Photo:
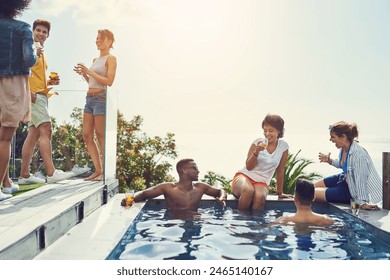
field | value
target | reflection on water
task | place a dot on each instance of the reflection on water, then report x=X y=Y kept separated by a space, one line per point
x=216 y=233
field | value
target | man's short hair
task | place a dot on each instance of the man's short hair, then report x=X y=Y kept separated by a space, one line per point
x=181 y=164
x=42 y=22
x=304 y=191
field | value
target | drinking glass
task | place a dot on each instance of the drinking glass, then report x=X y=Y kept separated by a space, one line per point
x=78 y=68
x=129 y=195
x=263 y=143
x=354 y=207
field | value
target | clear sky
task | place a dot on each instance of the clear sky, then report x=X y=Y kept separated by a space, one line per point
x=209 y=71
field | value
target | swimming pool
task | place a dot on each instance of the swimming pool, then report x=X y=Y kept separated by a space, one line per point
x=216 y=233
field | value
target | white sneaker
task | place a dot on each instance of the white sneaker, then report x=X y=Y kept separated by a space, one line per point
x=4 y=196
x=59 y=175
x=11 y=189
x=39 y=174
x=31 y=180
x=77 y=170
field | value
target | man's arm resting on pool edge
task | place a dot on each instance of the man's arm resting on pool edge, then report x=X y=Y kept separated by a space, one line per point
x=149 y=193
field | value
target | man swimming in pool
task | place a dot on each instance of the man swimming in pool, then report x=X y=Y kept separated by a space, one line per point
x=304 y=195
x=185 y=194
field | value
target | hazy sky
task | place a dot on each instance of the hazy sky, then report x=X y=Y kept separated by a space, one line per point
x=209 y=71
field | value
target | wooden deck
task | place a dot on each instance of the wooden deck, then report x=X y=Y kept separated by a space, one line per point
x=32 y=221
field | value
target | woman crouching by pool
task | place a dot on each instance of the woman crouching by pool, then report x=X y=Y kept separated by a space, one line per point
x=265 y=156
x=358 y=180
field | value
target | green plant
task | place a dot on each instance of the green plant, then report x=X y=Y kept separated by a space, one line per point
x=213 y=178
x=294 y=169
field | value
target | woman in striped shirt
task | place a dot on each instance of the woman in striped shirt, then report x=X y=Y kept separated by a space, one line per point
x=359 y=179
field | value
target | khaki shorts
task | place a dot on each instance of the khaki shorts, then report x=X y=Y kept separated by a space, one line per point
x=15 y=100
x=39 y=111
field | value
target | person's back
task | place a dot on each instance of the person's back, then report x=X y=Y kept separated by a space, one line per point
x=307 y=218
x=16 y=51
x=16 y=58
x=304 y=195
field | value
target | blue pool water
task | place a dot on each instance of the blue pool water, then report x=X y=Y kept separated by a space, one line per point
x=216 y=233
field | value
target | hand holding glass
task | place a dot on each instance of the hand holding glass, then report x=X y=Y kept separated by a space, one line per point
x=54 y=79
x=129 y=195
x=263 y=143
x=79 y=68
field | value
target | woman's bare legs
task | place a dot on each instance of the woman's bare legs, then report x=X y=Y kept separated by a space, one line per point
x=100 y=121
x=6 y=134
x=320 y=191
x=89 y=126
x=244 y=191
x=261 y=193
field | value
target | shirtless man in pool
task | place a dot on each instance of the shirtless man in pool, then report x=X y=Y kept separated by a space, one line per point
x=304 y=195
x=185 y=194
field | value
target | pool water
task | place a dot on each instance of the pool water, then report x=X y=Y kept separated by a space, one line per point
x=216 y=233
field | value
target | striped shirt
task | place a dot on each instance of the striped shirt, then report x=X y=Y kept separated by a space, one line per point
x=363 y=180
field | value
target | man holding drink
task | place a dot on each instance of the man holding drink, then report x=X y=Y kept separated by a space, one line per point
x=40 y=126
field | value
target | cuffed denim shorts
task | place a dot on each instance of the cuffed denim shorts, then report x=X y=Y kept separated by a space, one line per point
x=337 y=189
x=96 y=105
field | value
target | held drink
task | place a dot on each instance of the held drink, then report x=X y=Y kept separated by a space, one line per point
x=354 y=207
x=53 y=76
x=129 y=197
x=264 y=143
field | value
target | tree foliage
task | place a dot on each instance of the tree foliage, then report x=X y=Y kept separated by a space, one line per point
x=142 y=160
x=214 y=179
x=68 y=144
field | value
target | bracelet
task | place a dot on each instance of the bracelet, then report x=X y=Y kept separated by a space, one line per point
x=255 y=155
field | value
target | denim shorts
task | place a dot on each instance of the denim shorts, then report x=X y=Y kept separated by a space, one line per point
x=95 y=105
x=337 y=189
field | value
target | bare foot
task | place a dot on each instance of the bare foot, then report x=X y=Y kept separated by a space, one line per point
x=98 y=178
x=94 y=175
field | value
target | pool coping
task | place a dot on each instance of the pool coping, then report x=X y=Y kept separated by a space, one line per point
x=32 y=221
x=96 y=236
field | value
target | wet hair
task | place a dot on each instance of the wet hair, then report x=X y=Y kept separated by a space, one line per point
x=105 y=33
x=12 y=8
x=350 y=130
x=181 y=164
x=274 y=121
x=42 y=22
x=304 y=191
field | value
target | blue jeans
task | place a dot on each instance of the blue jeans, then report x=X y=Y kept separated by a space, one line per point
x=337 y=189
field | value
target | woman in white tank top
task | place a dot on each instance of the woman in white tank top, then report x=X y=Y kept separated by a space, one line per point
x=265 y=157
x=100 y=75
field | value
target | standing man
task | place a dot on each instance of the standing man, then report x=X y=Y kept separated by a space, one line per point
x=40 y=126
x=16 y=58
